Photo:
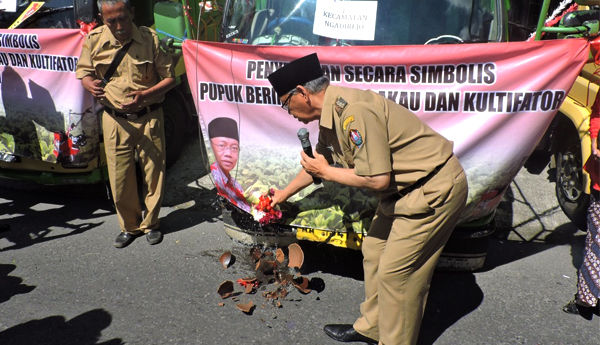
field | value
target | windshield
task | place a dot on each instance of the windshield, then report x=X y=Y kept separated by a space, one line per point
x=54 y=14
x=292 y=22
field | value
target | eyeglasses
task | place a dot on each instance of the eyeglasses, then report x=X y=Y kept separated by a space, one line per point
x=223 y=147
x=286 y=104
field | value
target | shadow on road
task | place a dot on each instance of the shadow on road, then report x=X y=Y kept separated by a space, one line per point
x=11 y=286
x=84 y=329
x=321 y=257
x=37 y=214
x=452 y=296
x=515 y=240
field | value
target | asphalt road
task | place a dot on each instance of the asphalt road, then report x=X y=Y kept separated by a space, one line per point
x=63 y=282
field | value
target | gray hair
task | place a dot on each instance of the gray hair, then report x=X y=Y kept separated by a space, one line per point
x=317 y=85
x=113 y=2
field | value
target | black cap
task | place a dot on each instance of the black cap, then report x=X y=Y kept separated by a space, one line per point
x=223 y=127
x=297 y=72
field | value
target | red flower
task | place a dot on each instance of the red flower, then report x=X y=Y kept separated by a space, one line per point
x=266 y=213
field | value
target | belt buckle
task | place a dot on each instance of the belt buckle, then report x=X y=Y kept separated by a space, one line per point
x=131 y=116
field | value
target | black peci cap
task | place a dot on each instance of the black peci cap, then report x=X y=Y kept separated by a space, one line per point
x=223 y=127
x=297 y=72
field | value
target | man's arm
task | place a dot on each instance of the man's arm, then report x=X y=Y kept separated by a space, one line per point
x=164 y=68
x=139 y=96
x=320 y=168
x=86 y=72
x=93 y=85
x=301 y=181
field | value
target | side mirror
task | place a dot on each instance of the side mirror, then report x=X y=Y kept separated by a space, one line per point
x=169 y=20
x=587 y=18
x=84 y=10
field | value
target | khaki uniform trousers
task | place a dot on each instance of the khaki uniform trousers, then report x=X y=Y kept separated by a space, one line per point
x=122 y=138
x=400 y=254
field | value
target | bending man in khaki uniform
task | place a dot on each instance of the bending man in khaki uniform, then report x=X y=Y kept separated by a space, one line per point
x=420 y=184
x=133 y=119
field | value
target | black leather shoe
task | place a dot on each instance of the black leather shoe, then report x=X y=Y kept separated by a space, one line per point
x=154 y=236
x=578 y=309
x=346 y=333
x=124 y=239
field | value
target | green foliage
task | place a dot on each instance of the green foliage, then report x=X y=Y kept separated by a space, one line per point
x=330 y=206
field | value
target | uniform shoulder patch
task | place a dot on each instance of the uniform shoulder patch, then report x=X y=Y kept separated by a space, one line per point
x=347 y=122
x=146 y=29
x=340 y=104
x=356 y=138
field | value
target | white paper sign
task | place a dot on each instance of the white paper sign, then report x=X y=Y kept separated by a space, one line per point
x=349 y=20
x=8 y=5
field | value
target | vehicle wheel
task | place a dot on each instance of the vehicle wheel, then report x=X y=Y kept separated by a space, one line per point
x=570 y=191
x=175 y=131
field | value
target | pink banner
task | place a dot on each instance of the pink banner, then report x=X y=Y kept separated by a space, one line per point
x=45 y=113
x=493 y=100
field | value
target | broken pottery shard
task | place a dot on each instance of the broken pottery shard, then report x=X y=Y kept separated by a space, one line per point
x=255 y=253
x=282 y=278
x=245 y=307
x=296 y=255
x=225 y=289
x=225 y=259
x=280 y=256
x=282 y=292
x=248 y=281
x=270 y=294
x=301 y=283
x=265 y=266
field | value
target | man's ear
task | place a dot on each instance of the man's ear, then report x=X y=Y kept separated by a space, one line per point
x=133 y=12
x=302 y=90
x=304 y=93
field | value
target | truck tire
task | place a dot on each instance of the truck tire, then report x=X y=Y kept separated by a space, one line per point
x=570 y=192
x=175 y=130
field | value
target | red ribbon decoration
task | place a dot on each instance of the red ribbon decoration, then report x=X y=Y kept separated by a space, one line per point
x=85 y=28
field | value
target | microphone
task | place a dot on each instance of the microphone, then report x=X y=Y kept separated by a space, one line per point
x=303 y=136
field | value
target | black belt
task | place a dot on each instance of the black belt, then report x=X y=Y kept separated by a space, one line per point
x=135 y=115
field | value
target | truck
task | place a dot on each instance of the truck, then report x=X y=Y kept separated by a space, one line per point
x=565 y=146
x=31 y=137
x=567 y=140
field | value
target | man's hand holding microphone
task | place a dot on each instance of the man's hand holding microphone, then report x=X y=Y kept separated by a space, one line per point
x=314 y=166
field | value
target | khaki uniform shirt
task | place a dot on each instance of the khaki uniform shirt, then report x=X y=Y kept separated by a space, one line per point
x=363 y=130
x=144 y=65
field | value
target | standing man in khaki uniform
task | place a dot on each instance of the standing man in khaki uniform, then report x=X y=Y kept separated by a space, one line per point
x=132 y=120
x=420 y=184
